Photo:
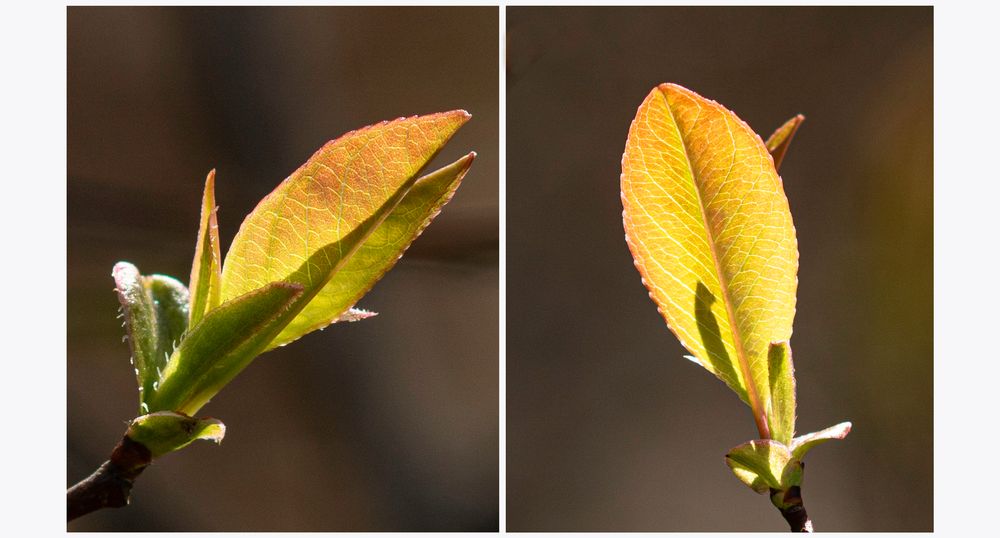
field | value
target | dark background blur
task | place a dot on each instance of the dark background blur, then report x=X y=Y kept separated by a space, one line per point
x=386 y=424
x=608 y=427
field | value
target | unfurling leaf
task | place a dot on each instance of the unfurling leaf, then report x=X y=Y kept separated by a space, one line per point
x=781 y=374
x=308 y=228
x=780 y=139
x=801 y=445
x=222 y=345
x=300 y=261
x=206 y=271
x=708 y=224
x=155 y=310
x=163 y=432
x=765 y=464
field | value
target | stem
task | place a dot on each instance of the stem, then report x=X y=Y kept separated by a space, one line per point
x=789 y=503
x=111 y=484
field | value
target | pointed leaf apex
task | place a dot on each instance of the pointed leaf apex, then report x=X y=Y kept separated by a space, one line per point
x=805 y=443
x=206 y=269
x=779 y=141
x=355 y=314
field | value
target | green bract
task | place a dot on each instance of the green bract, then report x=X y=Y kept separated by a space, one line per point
x=300 y=261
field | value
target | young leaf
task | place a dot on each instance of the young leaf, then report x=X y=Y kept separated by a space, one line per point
x=206 y=272
x=155 y=312
x=336 y=191
x=164 y=431
x=222 y=345
x=708 y=224
x=780 y=139
x=803 y=444
x=379 y=252
x=781 y=374
x=764 y=464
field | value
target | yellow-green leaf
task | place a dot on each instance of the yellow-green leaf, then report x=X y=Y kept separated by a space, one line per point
x=221 y=346
x=781 y=412
x=780 y=139
x=206 y=271
x=708 y=224
x=379 y=252
x=334 y=193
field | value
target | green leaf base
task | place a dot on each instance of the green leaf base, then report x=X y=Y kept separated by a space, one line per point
x=769 y=466
x=165 y=431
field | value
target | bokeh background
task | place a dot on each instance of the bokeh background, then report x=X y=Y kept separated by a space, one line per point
x=608 y=427
x=386 y=424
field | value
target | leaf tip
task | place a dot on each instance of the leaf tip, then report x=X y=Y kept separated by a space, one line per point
x=466 y=162
x=121 y=268
x=665 y=86
x=355 y=314
x=844 y=429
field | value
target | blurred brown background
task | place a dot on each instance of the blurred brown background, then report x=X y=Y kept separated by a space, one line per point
x=609 y=428
x=386 y=424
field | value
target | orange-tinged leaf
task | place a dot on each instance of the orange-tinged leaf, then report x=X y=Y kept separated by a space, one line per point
x=345 y=188
x=780 y=139
x=379 y=252
x=206 y=270
x=708 y=224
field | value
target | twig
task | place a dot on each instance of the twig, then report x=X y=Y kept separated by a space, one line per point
x=789 y=503
x=111 y=484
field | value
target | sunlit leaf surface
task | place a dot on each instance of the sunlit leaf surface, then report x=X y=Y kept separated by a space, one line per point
x=336 y=191
x=709 y=227
x=379 y=252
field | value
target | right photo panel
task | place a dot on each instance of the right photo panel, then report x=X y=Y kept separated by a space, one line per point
x=719 y=269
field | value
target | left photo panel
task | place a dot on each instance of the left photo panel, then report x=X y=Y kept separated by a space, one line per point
x=239 y=180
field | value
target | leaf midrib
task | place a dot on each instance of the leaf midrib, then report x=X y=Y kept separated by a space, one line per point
x=755 y=403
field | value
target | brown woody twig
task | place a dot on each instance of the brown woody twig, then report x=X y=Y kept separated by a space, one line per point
x=111 y=484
